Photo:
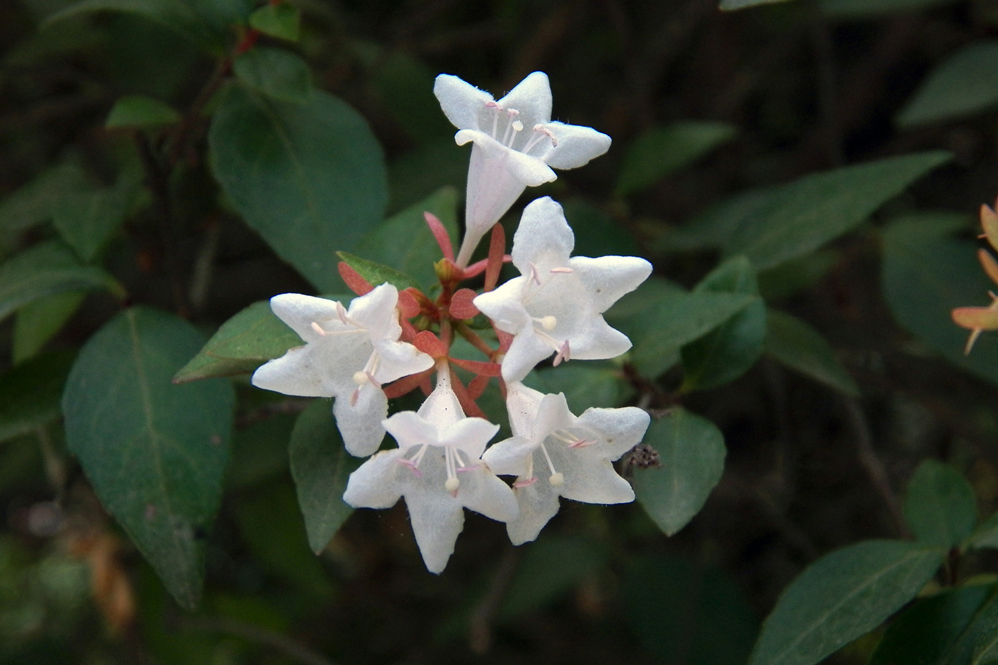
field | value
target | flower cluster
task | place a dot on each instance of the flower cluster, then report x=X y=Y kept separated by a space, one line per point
x=979 y=319
x=366 y=352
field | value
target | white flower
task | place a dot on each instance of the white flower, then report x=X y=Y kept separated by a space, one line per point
x=437 y=469
x=515 y=146
x=556 y=305
x=348 y=355
x=553 y=453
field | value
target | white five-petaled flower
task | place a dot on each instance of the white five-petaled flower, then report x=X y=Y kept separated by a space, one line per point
x=437 y=469
x=349 y=354
x=515 y=146
x=556 y=305
x=554 y=453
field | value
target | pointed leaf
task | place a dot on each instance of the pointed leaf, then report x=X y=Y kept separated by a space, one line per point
x=281 y=20
x=940 y=506
x=377 y=274
x=44 y=270
x=665 y=150
x=309 y=177
x=985 y=535
x=802 y=348
x=86 y=220
x=964 y=84
x=274 y=72
x=873 y=8
x=32 y=204
x=724 y=354
x=320 y=466
x=30 y=394
x=978 y=643
x=842 y=596
x=243 y=343
x=39 y=321
x=175 y=15
x=154 y=452
x=139 y=111
x=691 y=450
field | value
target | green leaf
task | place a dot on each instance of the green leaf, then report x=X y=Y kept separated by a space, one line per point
x=985 y=535
x=260 y=450
x=405 y=242
x=154 y=452
x=842 y=596
x=86 y=220
x=320 y=466
x=271 y=526
x=731 y=5
x=691 y=450
x=377 y=274
x=665 y=150
x=875 y=8
x=274 y=72
x=590 y=385
x=597 y=233
x=675 y=319
x=44 y=270
x=800 y=217
x=243 y=343
x=140 y=111
x=802 y=348
x=687 y=613
x=964 y=84
x=308 y=177
x=978 y=643
x=727 y=352
x=32 y=204
x=927 y=273
x=550 y=568
x=923 y=633
x=709 y=229
x=940 y=506
x=176 y=15
x=30 y=393
x=282 y=20
x=420 y=172
x=793 y=276
x=39 y=321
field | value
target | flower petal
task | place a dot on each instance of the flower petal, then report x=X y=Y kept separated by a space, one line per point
x=538 y=503
x=543 y=236
x=399 y=359
x=375 y=484
x=300 y=311
x=598 y=341
x=437 y=519
x=524 y=353
x=619 y=429
x=360 y=423
x=577 y=145
x=469 y=435
x=461 y=102
x=375 y=311
x=532 y=98
x=607 y=278
x=411 y=429
x=510 y=457
x=294 y=373
x=482 y=492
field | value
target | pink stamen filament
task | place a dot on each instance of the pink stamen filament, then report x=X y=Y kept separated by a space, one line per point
x=525 y=483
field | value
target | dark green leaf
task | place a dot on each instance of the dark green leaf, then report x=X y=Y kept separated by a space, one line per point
x=320 y=466
x=926 y=274
x=282 y=20
x=800 y=347
x=32 y=204
x=665 y=150
x=86 y=220
x=140 y=111
x=405 y=242
x=940 y=506
x=731 y=5
x=377 y=274
x=597 y=233
x=793 y=276
x=685 y=612
x=978 y=643
x=964 y=84
x=691 y=450
x=802 y=216
x=842 y=596
x=590 y=385
x=154 y=452
x=39 y=321
x=550 y=568
x=175 y=15
x=986 y=535
x=243 y=343
x=712 y=227
x=44 y=270
x=271 y=525
x=675 y=319
x=274 y=72
x=874 y=8
x=925 y=631
x=309 y=177
x=30 y=393
x=260 y=450
x=727 y=352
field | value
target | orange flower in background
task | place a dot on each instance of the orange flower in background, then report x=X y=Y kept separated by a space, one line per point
x=979 y=319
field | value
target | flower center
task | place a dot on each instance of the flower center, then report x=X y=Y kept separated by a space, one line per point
x=513 y=127
x=453 y=461
x=543 y=325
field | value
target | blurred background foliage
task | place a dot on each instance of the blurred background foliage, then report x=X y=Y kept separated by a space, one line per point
x=848 y=375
